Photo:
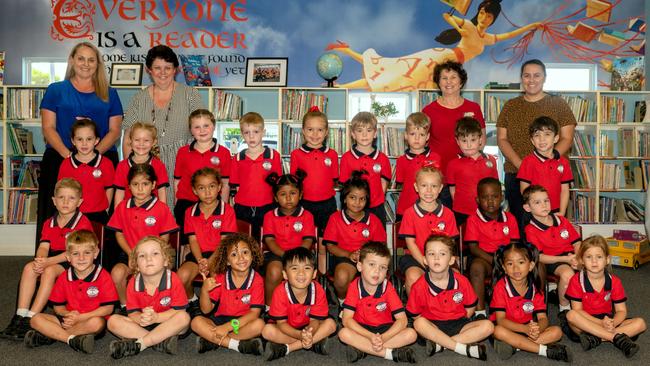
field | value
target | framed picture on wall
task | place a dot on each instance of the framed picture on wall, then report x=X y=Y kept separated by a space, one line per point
x=269 y=71
x=126 y=74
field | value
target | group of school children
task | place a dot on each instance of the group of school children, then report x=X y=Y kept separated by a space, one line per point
x=147 y=305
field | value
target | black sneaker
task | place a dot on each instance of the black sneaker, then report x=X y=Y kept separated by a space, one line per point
x=124 y=348
x=9 y=331
x=274 y=351
x=203 y=345
x=564 y=324
x=480 y=316
x=625 y=344
x=482 y=353
x=84 y=343
x=431 y=348
x=36 y=339
x=194 y=309
x=503 y=349
x=251 y=347
x=22 y=328
x=353 y=355
x=558 y=352
x=168 y=346
x=588 y=341
x=321 y=347
x=404 y=354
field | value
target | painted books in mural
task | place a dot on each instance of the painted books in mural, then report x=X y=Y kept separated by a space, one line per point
x=628 y=74
x=599 y=10
x=196 y=71
x=637 y=25
x=2 y=67
x=611 y=37
x=582 y=32
x=639 y=48
x=460 y=5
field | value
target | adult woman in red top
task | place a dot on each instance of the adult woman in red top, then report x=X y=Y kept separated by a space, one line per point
x=445 y=111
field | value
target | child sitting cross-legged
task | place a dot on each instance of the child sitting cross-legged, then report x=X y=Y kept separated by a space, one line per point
x=300 y=309
x=373 y=317
x=83 y=296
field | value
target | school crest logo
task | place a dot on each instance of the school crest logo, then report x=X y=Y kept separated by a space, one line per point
x=458 y=297
x=216 y=224
x=608 y=296
x=307 y=310
x=564 y=234
x=560 y=168
x=297 y=226
x=441 y=226
x=97 y=173
x=72 y=19
x=506 y=230
x=489 y=164
x=92 y=291
x=267 y=165
x=150 y=221
x=165 y=301
x=528 y=307
x=376 y=168
x=328 y=162
x=246 y=299
x=381 y=307
x=215 y=160
x=365 y=232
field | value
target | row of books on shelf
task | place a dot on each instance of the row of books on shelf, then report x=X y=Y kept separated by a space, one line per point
x=298 y=102
x=612 y=210
x=22 y=207
x=634 y=174
x=390 y=140
x=583 y=144
x=25 y=173
x=624 y=142
x=24 y=103
x=227 y=106
x=583 y=109
x=20 y=139
x=612 y=110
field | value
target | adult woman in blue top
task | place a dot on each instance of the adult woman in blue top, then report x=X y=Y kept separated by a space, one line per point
x=83 y=94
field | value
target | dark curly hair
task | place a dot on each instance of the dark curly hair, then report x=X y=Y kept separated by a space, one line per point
x=219 y=263
x=162 y=52
x=450 y=66
x=276 y=181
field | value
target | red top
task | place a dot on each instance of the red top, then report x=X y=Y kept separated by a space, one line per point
x=490 y=234
x=232 y=301
x=84 y=294
x=435 y=303
x=122 y=171
x=373 y=310
x=285 y=305
x=56 y=236
x=550 y=173
x=405 y=170
x=442 y=138
x=322 y=168
x=95 y=178
x=136 y=222
x=189 y=160
x=208 y=231
x=464 y=173
x=170 y=294
x=289 y=231
x=419 y=224
x=249 y=175
x=350 y=235
x=557 y=239
x=596 y=302
x=376 y=165
x=518 y=308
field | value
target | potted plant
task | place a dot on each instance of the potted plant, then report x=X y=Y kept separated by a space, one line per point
x=383 y=110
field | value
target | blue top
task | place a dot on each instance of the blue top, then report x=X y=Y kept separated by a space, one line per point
x=68 y=103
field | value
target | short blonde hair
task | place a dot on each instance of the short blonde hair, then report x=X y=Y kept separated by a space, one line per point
x=201 y=113
x=69 y=183
x=418 y=120
x=165 y=248
x=81 y=237
x=364 y=119
x=429 y=169
x=251 y=118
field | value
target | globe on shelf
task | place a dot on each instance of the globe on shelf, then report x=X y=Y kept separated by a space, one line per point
x=329 y=66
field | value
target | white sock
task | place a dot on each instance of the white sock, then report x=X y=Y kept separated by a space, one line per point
x=477 y=312
x=542 y=350
x=22 y=312
x=564 y=307
x=439 y=348
x=389 y=354
x=194 y=298
x=233 y=345
x=461 y=349
x=69 y=338
x=288 y=350
x=142 y=346
x=30 y=314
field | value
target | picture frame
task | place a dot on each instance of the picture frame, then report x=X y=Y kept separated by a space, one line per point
x=266 y=71
x=126 y=74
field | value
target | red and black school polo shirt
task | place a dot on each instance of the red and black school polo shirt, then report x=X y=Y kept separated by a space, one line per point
x=56 y=236
x=434 y=303
x=322 y=168
x=373 y=310
x=350 y=235
x=464 y=173
x=229 y=300
x=596 y=302
x=189 y=160
x=289 y=231
x=121 y=181
x=95 y=177
x=208 y=231
x=84 y=294
x=406 y=168
x=490 y=234
x=136 y=222
x=419 y=224
x=285 y=305
x=170 y=294
x=556 y=239
x=550 y=173
x=518 y=308
x=376 y=165
x=249 y=176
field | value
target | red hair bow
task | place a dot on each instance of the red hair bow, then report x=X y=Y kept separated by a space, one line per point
x=314 y=109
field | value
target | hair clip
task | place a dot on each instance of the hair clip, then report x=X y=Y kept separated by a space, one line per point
x=314 y=109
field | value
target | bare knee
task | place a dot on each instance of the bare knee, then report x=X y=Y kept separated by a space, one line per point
x=96 y=324
x=345 y=335
x=411 y=276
